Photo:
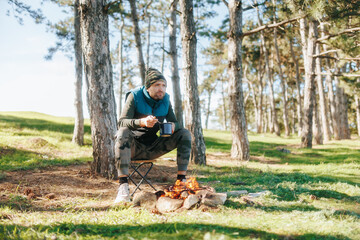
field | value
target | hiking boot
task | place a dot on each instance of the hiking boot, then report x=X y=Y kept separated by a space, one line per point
x=123 y=193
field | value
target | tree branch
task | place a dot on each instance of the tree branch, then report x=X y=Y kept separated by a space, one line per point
x=339 y=74
x=253 y=6
x=167 y=52
x=269 y=26
x=337 y=34
x=324 y=53
x=226 y=3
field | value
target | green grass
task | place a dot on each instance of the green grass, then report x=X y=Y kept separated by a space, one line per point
x=31 y=140
x=310 y=193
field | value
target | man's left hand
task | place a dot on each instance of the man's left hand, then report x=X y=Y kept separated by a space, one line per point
x=173 y=127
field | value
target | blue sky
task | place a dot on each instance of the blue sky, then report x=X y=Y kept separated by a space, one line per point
x=27 y=81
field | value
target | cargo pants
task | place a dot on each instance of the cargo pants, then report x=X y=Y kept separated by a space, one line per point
x=127 y=148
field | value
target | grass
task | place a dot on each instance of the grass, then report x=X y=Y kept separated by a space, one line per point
x=30 y=140
x=309 y=193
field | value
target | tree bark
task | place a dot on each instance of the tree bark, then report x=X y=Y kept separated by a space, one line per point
x=283 y=86
x=78 y=136
x=121 y=66
x=343 y=108
x=274 y=125
x=188 y=39
x=357 y=102
x=148 y=41
x=322 y=100
x=337 y=104
x=174 y=66
x=135 y=20
x=309 y=89
x=259 y=123
x=299 y=101
x=163 y=47
x=331 y=95
x=98 y=69
x=224 y=109
x=208 y=110
x=240 y=143
x=318 y=136
x=256 y=110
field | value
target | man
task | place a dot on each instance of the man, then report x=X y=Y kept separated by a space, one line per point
x=144 y=109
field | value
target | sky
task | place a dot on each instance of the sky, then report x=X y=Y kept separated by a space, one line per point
x=28 y=82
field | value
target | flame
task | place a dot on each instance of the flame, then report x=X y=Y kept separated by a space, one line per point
x=191 y=186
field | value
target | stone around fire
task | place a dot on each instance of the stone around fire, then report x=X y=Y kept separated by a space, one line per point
x=166 y=204
x=145 y=199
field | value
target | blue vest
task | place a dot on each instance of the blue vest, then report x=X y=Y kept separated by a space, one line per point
x=145 y=105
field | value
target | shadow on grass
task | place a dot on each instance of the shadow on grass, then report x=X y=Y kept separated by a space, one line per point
x=274 y=208
x=305 y=156
x=284 y=186
x=217 y=145
x=152 y=231
x=40 y=125
x=13 y=159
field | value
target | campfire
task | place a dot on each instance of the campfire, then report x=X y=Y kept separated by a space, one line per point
x=181 y=190
x=181 y=195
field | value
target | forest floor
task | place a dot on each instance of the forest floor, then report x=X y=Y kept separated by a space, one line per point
x=48 y=192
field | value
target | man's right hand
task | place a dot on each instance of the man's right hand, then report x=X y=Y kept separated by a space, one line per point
x=148 y=122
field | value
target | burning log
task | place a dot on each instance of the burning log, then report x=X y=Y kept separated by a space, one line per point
x=184 y=195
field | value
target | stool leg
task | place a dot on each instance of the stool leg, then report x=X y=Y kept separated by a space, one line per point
x=143 y=177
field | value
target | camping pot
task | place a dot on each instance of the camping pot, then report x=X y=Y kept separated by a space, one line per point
x=165 y=129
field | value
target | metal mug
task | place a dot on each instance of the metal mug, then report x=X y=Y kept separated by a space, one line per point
x=165 y=129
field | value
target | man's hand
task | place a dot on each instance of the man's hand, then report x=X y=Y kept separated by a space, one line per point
x=172 y=127
x=148 y=122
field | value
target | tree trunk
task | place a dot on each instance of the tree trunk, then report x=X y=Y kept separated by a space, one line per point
x=299 y=105
x=274 y=125
x=259 y=123
x=343 y=108
x=293 y=118
x=357 y=102
x=78 y=136
x=224 y=106
x=134 y=17
x=208 y=110
x=331 y=95
x=270 y=118
x=318 y=136
x=188 y=39
x=174 y=66
x=266 y=118
x=322 y=100
x=283 y=83
x=309 y=89
x=240 y=143
x=337 y=104
x=148 y=42
x=256 y=110
x=101 y=100
x=163 y=47
x=121 y=64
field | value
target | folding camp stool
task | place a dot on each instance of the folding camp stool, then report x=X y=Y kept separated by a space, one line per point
x=136 y=165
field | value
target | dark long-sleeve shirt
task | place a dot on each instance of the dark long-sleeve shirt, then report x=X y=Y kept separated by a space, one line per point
x=131 y=119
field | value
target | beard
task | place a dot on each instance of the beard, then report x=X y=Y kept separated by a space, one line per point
x=159 y=95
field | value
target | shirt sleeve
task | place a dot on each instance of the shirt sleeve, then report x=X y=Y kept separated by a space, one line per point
x=170 y=117
x=127 y=115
